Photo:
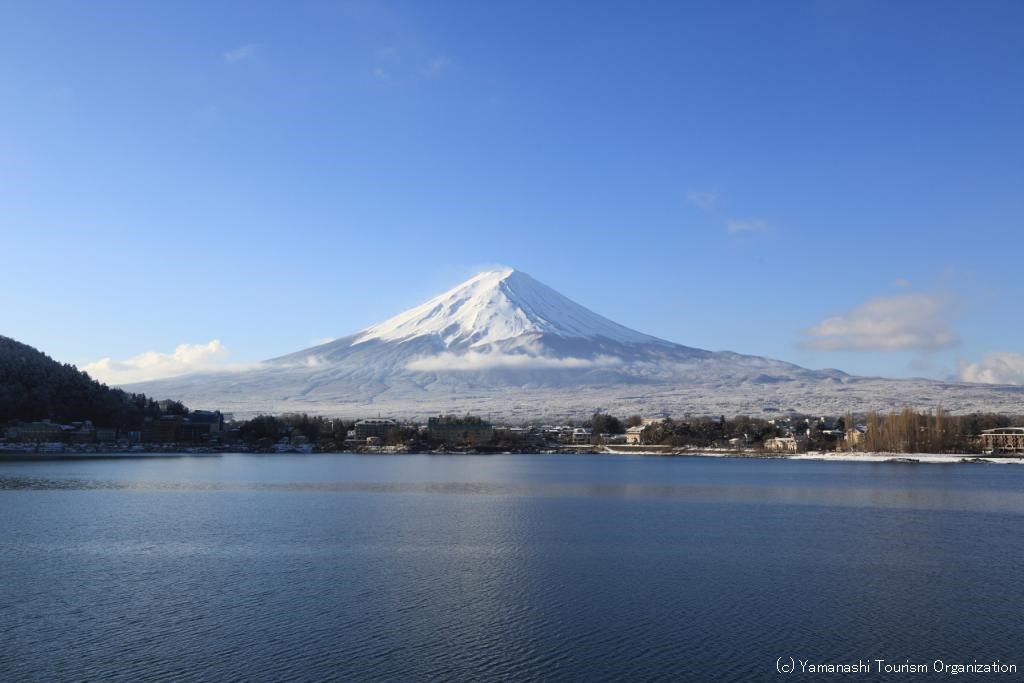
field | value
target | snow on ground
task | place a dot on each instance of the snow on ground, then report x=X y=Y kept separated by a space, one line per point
x=918 y=457
x=944 y=458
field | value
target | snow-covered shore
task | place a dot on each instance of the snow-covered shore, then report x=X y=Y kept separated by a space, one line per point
x=905 y=457
x=826 y=456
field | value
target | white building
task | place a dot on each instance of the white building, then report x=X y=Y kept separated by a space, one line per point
x=634 y=435
x=785 y=444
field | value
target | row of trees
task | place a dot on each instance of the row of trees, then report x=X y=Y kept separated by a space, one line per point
x=708 y=431
x=936 y=431
x=270 y=429
x=904 y=431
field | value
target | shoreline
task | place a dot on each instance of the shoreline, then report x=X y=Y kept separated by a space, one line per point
x=819 y=456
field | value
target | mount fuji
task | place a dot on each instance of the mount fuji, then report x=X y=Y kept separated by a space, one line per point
x=506 y=345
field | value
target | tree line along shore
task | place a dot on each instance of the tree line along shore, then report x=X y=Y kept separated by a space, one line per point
x=175 y=427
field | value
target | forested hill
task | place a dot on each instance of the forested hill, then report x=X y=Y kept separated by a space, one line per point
x=33 y=386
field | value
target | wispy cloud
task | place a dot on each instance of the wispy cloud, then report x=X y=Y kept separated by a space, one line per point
x=735 y=226
x=207 y=114
x=998 y=367
x=391 y=64
x=709 y=201
x=705 y=200
x=242 y=53
x=906 y=322
x=436 y=66
x=387 y=62
x=185 y=358
x=475 y=360
x=389 y=53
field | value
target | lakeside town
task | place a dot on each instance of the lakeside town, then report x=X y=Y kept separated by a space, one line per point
x=177 y=429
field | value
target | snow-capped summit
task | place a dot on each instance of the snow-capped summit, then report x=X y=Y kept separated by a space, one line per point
x=498 y=305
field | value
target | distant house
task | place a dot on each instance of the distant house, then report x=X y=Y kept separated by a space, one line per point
x=854 y=437
x=375 y=427
x=785 y=444
x=1003 y=440
x=634 y=435
x=580 y=436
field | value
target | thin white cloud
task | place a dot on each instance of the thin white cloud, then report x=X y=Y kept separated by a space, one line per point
x=475 y=360
x=998 y=367
x=906 y=322
x=389 y=54
x=735 y=226
x=392 y=64
x=185 y=358
x=705 y=200
x=387 y=61
x=241 y=53
x=437 y=66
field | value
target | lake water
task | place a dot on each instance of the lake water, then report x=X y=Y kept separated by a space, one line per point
x=345 y=567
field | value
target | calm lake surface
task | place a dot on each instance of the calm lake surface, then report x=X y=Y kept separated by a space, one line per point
x=345 y=567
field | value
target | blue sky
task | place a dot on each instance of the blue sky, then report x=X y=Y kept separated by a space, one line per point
x=837 y=184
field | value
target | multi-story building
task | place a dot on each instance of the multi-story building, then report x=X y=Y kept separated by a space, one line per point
x=39 y=432
x=213 y=418
x=164 y=429
x=460 y=431
x=374 y=427
x=1003 y=440
x=580 y=436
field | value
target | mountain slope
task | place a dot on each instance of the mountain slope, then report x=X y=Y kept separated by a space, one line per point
x=505 y=344
x=496 y=311
x=33 y=386
x=499 y=305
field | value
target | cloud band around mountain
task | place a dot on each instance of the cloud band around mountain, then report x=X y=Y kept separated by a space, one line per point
x=998 y=367
x=476 y=360
x=151 y=365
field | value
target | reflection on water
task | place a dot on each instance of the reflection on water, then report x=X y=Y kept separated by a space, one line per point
x=847 y=496
x=595 y=568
